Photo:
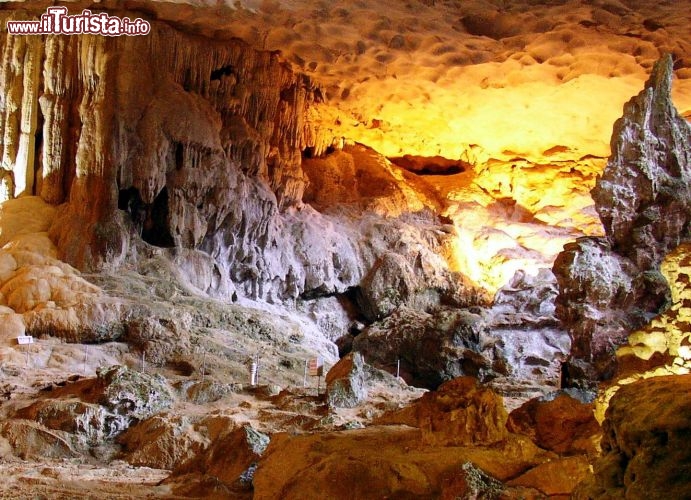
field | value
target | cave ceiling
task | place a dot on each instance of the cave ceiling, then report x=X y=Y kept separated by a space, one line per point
x=476 y=79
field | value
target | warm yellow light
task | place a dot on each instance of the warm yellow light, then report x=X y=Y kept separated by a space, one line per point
x=668 y=335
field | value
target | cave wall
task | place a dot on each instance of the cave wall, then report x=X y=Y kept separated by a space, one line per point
x=85 y=117
x=196 y=146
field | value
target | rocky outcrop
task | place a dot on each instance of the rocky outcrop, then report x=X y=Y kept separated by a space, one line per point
x=610 y=287
x=432 y=347
x=196 y=146
x=555 y=477
x=529 y=338
x=96 y=411
x=161 y=442
x=644 y=194
x=663 y=345
x=603 y=296
x=230 y=460
x=563 y=425
x=645 y=452
x=517 y=344
x=346 y=385
x=388 y=460
x=462 y=412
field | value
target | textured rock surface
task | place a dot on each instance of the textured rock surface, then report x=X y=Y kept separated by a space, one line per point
x=644 y=195
x=230 y=460
x=645 y=451
x=387 y=460
x=189 y=164
x=530 y=339
x=161 y=441
x=609 y=288
x=563 y=425
x=555 y=477
x=346 y=385
x=432 y=348
x=40 y=294
x=461 y=79
x=95 y=411
x=662 y=346
x=461 y=412
x=602 y=297
x=197 y=144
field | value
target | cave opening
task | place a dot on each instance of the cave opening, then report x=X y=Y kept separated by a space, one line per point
x=430 y=165
x=219 y=73
x=311 y=152
x=156 y=230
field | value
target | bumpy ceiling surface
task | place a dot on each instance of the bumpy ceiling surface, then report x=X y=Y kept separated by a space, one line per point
x=472 y=79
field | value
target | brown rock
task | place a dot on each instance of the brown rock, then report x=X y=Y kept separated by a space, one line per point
x=555 y=477
x=645 y=452
x=33 y=441
x=470 y=482
x=161 y=442
x=230 y=460
x=563 y=425
x=461 y=413
x=382 y=461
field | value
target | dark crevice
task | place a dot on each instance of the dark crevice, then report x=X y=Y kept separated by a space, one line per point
x=156 y=230
x=217 y=74
x=430 y=165
x=131 y=202
x=179 y=156
x=38 y=152
x=311 y=152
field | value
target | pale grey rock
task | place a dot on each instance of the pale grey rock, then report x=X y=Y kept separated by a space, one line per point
x=92 y=412
x=432 y=348
x=346 y=384
x=608 y=288
x=389 y=284
x=90 y=424
x=644 y=194
x=529 y=337
x=131 y=393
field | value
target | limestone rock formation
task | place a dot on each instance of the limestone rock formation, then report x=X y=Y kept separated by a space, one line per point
x=137 y=395
x=161 y=441
x=93 y=412
x=461 y=412
x=432 y=347
x=346 y=385
x=602 y=297
x=609 y=288
x=230 y=460
x=563 y=424
x=662 y=346
x=196 y=147
x=555 y=477
x=645 y=452
x=382 y=460
x=33 y=441
x=530 y=340
x=644 y=195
